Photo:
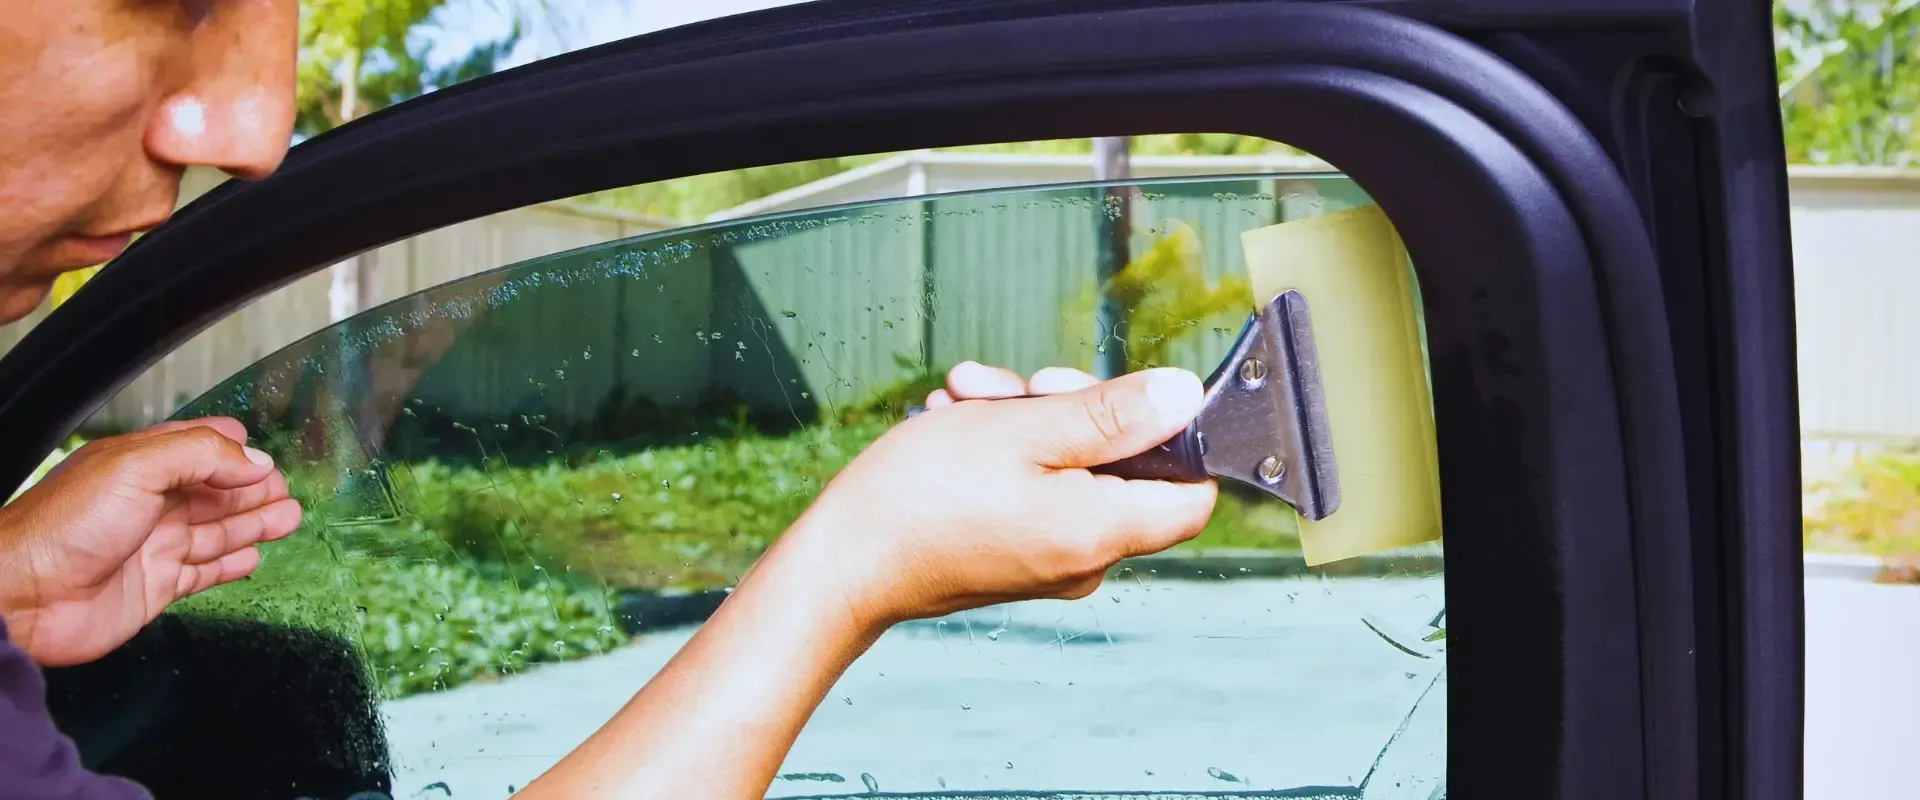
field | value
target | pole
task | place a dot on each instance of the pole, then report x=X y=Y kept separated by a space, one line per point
x=1112 y=228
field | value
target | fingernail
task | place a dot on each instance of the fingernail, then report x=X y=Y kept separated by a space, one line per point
x=258 y=456
x=1174 y=393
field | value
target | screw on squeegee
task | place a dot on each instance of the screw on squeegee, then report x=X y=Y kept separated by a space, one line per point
x=1271 y=469
x=1252 y=372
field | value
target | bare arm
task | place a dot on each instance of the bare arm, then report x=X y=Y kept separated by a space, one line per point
x=718 y=720
x=971 y=505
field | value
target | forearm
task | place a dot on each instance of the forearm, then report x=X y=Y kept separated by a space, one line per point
x=718 y=720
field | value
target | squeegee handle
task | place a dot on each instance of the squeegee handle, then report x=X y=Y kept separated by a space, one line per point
x=1177 y=460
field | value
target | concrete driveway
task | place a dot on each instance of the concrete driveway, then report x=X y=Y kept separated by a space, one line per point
x=1176 y=686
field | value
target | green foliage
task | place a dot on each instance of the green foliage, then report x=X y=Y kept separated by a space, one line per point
x=337 y=39
x=1850 y=72
x=1245 y=519
x=433 y=626
x=370 y=45
x=1874 y=508
x=890 y=404
x=691 y=517
x=1166 y=296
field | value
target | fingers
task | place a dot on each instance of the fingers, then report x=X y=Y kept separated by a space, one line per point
x=205 y=504
x=1059 y=380
x=1151 y=516
x=190 y=456
x=1112 y=420
x=197 y=578
x=970 y=380
x=211 y=541
x=225 y=426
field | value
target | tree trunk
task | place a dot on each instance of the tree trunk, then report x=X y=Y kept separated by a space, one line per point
x=1111 y=230
x=349 y=283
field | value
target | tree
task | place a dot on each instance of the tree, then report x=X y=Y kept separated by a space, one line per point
x=338 y=39
x=359 y=56
x=1850 y=80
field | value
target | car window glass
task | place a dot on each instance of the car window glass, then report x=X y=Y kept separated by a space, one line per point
x=526 y=489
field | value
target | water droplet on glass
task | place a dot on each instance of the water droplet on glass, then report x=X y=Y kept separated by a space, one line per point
x=849 y=700
x=966 y=706
x=715 y=336
x=888 y=324
x=1221 y=774
x=586 y=354
x=788 y=314
x=616 y=497
x=560 y=373
x=1009 y=765
x=873 y=786
x=658 y=340
x=806 y=395
x=636 y=351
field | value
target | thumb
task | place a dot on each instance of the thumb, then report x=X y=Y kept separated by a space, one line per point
x=1112 y=420
x=192 y=456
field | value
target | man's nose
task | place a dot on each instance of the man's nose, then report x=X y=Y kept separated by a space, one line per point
x=234 y=111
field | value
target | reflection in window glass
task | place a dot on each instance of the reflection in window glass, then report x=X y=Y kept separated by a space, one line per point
x=525 y=488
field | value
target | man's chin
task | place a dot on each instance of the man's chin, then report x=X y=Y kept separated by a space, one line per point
x=19 y=300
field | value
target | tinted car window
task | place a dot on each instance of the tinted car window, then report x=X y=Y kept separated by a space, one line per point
x=526 y=489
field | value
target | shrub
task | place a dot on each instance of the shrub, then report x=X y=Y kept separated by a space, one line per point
x=430 y=626
x=691 y=517
x=915 y=381
x=1874 y=508
x=1166 y=297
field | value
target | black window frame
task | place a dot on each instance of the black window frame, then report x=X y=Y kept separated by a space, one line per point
x=1606 y=279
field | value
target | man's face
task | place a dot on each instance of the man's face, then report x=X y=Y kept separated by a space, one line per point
x=104 y=103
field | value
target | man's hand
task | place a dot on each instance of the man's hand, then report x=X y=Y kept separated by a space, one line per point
x=127 y=525
x=975 y=503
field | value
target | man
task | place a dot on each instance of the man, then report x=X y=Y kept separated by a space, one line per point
x=103 y=104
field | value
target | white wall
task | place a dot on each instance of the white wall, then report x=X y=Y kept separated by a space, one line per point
x=1856 y=246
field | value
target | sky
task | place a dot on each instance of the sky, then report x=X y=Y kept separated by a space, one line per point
x=572 y=25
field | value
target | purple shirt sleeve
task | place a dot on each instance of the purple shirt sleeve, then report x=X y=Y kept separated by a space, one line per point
x=37 y=761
